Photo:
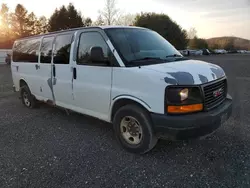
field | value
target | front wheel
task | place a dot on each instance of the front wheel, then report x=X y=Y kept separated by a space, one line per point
x=133 y=129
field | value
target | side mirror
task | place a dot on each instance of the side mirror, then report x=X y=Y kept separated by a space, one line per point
x=97 y=55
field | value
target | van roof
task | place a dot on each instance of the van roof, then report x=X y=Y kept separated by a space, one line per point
x=79 y=28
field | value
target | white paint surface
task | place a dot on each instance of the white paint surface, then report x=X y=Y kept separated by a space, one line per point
x=96 y=88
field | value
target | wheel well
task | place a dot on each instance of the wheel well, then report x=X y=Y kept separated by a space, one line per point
x=122 y=102
x=22 y=83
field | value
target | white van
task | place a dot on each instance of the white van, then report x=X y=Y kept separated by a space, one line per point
x=128 y=76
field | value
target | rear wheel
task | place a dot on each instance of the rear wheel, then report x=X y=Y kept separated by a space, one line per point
x=27 y=98
x=133 y=129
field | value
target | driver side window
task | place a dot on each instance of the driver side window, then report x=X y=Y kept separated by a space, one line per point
x=89 y=40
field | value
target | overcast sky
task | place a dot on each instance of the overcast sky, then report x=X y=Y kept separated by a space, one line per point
x=211 y=18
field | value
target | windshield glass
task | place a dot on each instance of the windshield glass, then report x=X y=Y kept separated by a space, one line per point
x=142 y=46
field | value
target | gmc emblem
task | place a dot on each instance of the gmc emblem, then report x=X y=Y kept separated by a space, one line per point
x=217 y=92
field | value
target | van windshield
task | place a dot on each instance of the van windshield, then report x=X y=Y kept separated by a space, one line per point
x=138 y=46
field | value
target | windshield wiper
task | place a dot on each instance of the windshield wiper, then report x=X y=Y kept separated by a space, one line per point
x=177 y=57
x=147 y=58
x=146 y=61
x=174 y=55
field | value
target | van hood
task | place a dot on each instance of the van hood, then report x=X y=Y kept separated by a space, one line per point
x=188 y=72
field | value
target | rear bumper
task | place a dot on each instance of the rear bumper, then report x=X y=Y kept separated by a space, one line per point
x=183 y=127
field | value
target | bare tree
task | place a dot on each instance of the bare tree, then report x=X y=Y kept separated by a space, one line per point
x=126 y=19
x=192 y=33
x=109 y=12
x=99 y=21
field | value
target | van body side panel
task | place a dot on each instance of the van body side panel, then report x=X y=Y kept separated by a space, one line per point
x=92 y=90
x=15 y=76
x=130 y=97
x=62 y=80
x=92 y=85
x=44 y=74
x=147 y=88
x=26 y=72
x=44 y=91
x=62 y=85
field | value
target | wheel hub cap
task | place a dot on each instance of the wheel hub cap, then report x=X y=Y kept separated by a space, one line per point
x=131 y=130
x=26 y=99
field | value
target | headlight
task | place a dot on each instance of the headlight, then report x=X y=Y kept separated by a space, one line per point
x=183 y=94
x=183 y=99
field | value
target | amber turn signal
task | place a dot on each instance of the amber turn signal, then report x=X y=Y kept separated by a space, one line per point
x=185 y=108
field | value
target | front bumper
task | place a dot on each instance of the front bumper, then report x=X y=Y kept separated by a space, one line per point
x=183 y=127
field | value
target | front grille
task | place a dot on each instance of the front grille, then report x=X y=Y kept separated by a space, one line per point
x=212 y=100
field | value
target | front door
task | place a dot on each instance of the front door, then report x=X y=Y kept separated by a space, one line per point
x=61 y=71
x=92 y=81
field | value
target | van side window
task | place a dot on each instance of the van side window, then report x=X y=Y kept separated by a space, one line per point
x=18 y=54
x=46 y=50
x=26 y=51
x=62 y=49
x=89 y=40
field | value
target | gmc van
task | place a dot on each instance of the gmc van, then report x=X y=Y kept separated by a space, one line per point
x=129 y=76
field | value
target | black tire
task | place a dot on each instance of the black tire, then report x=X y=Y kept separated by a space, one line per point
x=148 y=139
x=25 y=91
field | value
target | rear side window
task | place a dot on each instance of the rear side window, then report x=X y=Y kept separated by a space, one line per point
x=26 y=50
x=46 y=50
x=62 y=49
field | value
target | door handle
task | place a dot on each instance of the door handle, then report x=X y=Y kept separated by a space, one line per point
x=17 y=67
x=54 y=70
x=37 y=66
x=74 y=73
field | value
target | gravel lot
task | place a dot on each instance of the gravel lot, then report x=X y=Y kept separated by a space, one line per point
x=47 y=148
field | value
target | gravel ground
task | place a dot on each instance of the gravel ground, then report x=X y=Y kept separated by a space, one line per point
x=47 y=148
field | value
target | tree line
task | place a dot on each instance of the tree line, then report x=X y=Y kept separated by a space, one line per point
x=21 y=23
